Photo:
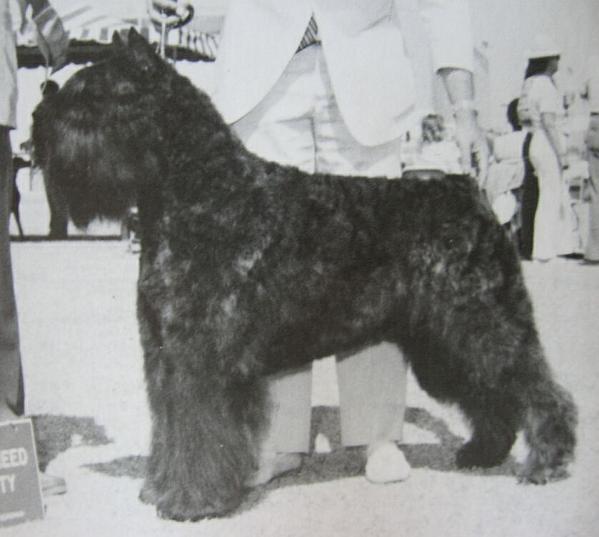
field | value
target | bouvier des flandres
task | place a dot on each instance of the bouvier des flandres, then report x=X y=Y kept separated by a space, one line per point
x=248 y=268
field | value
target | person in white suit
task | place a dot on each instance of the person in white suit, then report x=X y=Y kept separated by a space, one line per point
x=325 y=85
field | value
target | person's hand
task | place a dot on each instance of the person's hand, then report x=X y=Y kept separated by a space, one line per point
x=169 y=12
x=471 y=140
x=473 y=145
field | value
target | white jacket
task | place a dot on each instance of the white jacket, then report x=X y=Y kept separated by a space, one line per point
x=363 y=46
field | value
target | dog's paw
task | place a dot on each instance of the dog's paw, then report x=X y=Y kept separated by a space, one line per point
x=182 y=505
x=536 y=474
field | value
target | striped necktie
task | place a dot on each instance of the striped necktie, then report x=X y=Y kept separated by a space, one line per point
x=310 y=35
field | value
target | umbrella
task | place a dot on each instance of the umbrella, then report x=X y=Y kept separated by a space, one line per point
x=91 y=26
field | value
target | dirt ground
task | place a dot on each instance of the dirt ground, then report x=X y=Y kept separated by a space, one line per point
x=83 y=370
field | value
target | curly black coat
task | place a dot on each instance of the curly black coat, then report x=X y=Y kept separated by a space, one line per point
x=249 y=267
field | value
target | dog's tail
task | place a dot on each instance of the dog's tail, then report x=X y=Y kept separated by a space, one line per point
x=550 y=432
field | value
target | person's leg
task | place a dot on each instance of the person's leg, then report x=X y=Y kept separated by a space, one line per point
x=530 y=200
x=547 y=224
x=372 y=383
x=11 y=379
x=372 y=397
x=59 y=214
x=12 y=398
x=280 y=129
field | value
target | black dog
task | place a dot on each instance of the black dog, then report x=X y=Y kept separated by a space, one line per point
x=249 y=267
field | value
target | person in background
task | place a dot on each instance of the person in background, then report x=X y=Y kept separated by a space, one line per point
x=59 y=215
x=540 y=108
x=591 y=252
x=18 y=163
x=325 y=85
x=53 y=42
x=529 y=194
x=435 y=149
x=509 y=174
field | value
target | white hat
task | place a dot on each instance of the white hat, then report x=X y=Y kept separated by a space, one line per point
x=543 y=47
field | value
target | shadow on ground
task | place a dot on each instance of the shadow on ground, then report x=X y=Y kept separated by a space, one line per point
x=56 y=434
x=70 y=238
x=340 y=463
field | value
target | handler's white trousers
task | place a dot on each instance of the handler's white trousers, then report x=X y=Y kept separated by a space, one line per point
x=298 y=123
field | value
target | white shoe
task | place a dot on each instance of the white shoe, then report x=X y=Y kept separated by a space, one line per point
x=386 y=464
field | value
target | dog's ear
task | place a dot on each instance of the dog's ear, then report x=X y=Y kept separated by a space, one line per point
x=143 y=53
x=135 y=38
x=117 y=41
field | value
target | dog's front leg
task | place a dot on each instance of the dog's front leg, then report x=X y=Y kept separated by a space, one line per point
x=203 y=418
x=201 y=448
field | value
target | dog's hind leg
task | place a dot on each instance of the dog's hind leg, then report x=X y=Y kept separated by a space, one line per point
x=549 y=430
x=524 y=398
x=492 y=415
x=514 y=390
x=494 y=427
x=495 y=371
x=468 y=370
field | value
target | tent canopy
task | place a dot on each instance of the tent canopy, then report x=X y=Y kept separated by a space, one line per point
x=91 y=25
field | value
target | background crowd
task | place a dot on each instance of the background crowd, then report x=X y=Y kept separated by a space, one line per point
x=541 y=179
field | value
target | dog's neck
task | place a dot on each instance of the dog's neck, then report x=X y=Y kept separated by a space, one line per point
x=198 y=133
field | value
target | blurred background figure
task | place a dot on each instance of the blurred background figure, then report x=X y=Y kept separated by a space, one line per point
x=540 y=108
x=434 y=154
x=591 y=253
x=59 y=215
x=436 y=148
x=510 y=176
x=18 y=163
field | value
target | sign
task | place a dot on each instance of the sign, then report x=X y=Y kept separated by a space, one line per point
x=20 y=492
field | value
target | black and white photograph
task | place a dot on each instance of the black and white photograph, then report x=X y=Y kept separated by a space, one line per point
x=299 y=268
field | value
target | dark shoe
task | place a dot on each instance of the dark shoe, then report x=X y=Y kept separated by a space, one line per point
x=52 y=485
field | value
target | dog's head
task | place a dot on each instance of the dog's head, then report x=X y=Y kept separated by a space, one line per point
x=132 y=70
x=100 y=137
